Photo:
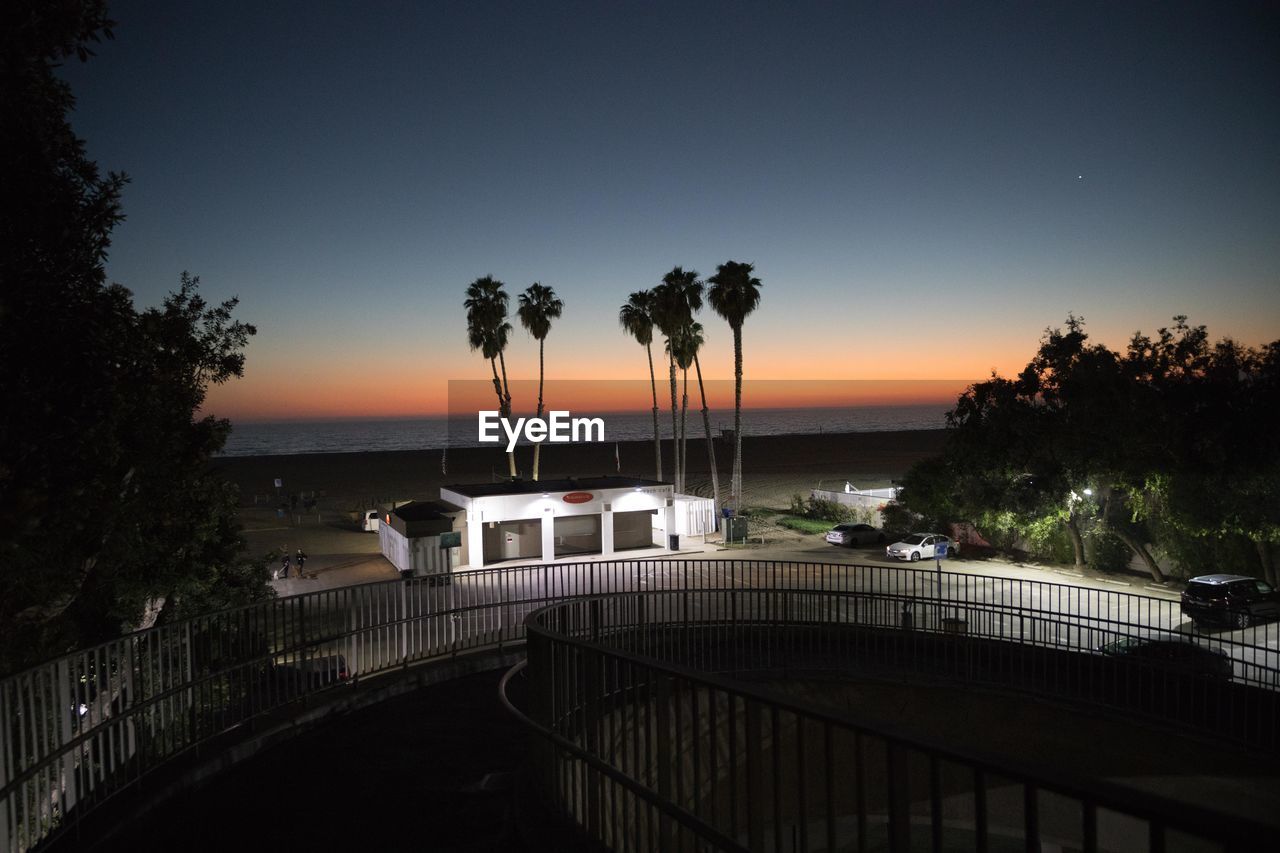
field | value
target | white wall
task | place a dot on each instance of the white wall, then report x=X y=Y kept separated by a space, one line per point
x=695 y=516
x=421 y=556
x=480 y=511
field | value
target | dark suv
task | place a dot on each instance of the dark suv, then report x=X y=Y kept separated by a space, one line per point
x=1233 y=600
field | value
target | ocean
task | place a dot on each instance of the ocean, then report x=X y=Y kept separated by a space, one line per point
x=281 y=438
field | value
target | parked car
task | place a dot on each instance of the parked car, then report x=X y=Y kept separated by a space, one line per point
x=917 y=545
x=370 y=522
x=853 y=535
x=1233 y=600
x=1171 y=653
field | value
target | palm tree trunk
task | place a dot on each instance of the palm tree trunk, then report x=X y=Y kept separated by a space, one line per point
x=506 y=411
x=506 y=388
x=657 y=441
x=537 y=447
x=711 y=445
x=737 y=416
x=675 y=428
x=497 y=383
x=684 y=428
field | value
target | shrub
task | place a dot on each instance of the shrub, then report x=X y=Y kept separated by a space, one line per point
x=1047 y=540
x=1105 y=552
x=1003 y=529
x=898 y=518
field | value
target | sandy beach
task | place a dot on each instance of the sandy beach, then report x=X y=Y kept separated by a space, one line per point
x=775 y=467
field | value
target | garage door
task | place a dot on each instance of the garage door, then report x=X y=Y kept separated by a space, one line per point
x=513 y=540
x=633 y=530
x=577 y=534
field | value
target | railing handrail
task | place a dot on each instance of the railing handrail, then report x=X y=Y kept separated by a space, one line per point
x=1147 y=805
x=526 y=567
x=132 y=682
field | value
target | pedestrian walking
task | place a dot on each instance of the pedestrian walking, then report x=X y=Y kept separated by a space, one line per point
x=285 y=563
x=301 y=559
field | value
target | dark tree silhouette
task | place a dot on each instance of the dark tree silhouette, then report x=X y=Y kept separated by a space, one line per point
x=636 y=317
x=538 y=307
x=734 y=294
x=107 y=503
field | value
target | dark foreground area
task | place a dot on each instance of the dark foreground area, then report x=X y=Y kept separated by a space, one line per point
x=438 y=769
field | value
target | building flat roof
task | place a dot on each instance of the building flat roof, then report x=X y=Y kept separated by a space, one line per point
x=425 y=510
x=533 y=487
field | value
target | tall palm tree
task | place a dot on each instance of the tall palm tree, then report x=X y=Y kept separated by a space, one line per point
x=538 y=307
x=488 y=331
x=679 y=346
x=734 y=294
x=678 y=297
x=685 y=347
x=695 y=341
x=636 y=317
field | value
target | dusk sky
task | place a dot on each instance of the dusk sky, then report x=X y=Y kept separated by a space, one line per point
x=923 y=188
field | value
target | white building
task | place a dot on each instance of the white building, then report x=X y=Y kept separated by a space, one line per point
x=548 y=519
x=420 y=537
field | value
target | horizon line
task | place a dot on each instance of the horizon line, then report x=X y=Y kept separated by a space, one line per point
x=447 y=416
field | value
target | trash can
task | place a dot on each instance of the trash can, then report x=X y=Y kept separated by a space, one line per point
x=673 y=541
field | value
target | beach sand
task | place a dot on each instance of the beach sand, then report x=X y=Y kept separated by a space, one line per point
x=774 y=467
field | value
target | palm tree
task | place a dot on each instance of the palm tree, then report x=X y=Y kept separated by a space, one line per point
x=636 y=317
x=538 y=307
x=679 y=347
x=678 y=297
x=734 y=294
x=487 y=331
x=695 y=340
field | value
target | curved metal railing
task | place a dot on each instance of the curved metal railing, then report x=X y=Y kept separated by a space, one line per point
x=646 y=745
x=78 y=729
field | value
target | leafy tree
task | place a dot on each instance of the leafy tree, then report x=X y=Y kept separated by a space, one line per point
x=734 y=295
x=1103 y=426
x=108 y=506
x=1173 y=441
x=538 y=307
x=636 y=317
x=1220 y=402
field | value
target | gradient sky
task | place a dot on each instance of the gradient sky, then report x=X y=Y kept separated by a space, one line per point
x=922 y=187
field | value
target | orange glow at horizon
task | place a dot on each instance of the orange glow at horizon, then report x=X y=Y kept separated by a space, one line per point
x=392 y=384
x=355 y=397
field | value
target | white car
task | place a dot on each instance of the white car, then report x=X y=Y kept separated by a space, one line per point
x=853 y=535
x=370 y=522
x=918 y=546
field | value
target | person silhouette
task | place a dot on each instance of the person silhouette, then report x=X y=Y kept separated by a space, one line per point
x=285 y=562
x=301 y=559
